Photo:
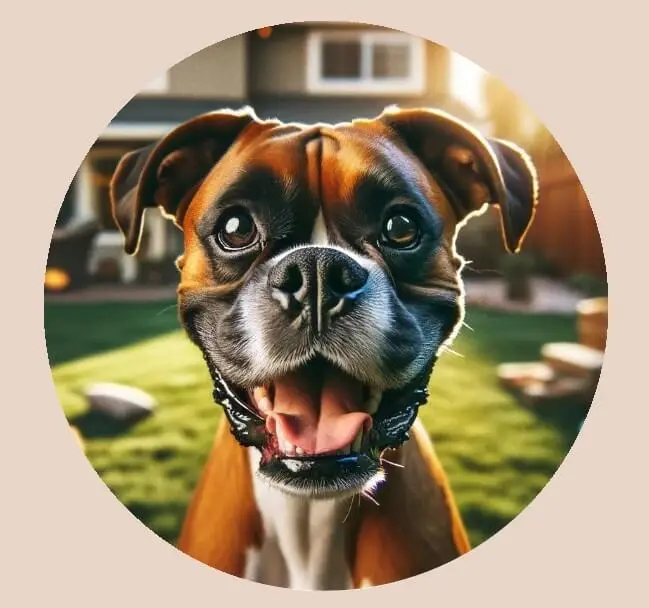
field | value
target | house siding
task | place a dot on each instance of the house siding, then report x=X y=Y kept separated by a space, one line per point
x=278 y=66
x=199 y=76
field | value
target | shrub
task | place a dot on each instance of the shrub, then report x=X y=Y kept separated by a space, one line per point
x=517 y=271
x=589 y=285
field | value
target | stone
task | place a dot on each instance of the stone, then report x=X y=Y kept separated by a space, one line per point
x=119 y=401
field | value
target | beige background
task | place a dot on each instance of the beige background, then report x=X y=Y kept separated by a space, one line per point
x=66 y=539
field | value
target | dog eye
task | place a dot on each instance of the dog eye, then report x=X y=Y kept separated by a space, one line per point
x=236 y=230
x=400 y=231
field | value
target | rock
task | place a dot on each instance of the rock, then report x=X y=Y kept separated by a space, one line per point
x=119 y=401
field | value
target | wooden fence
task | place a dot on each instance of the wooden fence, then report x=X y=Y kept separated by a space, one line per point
x=565 y=231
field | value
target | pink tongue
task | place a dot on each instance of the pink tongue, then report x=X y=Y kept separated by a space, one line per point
x=318 y=411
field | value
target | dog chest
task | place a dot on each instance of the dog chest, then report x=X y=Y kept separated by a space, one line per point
x=304 y=540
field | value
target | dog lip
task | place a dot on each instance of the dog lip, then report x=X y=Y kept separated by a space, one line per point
x=322 y=477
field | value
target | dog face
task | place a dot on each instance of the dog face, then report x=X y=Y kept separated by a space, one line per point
x=319 y=276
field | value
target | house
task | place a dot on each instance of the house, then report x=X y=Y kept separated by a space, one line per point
x=331 y=72
x=300 y=72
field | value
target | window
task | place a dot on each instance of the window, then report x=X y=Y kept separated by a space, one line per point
x=365 y=62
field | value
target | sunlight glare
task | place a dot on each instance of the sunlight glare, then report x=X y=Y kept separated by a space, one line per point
x=467 y=80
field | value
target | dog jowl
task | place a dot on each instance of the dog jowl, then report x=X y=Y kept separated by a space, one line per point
x=319 y=276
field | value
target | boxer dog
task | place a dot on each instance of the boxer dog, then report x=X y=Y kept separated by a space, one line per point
x=320 y=281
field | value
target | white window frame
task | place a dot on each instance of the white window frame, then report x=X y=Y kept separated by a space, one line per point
x=414 y=84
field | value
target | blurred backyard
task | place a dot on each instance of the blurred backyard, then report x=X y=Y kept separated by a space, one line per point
x=508 y=401
x=498 y=454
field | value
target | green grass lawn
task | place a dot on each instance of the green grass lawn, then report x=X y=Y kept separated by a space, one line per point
x=497 y=454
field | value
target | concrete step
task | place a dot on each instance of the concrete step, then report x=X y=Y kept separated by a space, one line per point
x=572 y=359
x=518 y=375
x=560 y=391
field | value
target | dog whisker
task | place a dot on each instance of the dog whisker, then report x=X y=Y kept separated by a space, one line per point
x=351 y=504
x=394 y=464
x=453 y=352
x=166 y=309
x=367 y=495
x=465 y=324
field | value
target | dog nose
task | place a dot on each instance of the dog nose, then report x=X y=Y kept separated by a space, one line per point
x=319 y=280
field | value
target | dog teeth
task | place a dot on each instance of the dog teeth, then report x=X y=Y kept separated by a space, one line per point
x=358 y=442
x=299 y=451
x=373 y=401
x=265 y=405
x=262 y=398
x=286 y=447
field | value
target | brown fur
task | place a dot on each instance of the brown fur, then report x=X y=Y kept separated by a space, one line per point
x=416 y=526
x=222 y=521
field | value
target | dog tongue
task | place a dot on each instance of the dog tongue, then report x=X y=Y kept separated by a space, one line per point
x=317 y=409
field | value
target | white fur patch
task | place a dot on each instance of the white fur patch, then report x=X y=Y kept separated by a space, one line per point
x=253 y=564
x=310 y=535
x=319 y=235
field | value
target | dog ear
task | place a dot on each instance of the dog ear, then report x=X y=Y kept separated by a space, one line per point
x=472 y=169
x=166 y=174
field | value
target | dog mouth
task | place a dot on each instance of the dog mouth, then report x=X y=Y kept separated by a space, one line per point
x=316 y=411
x=320 y=431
